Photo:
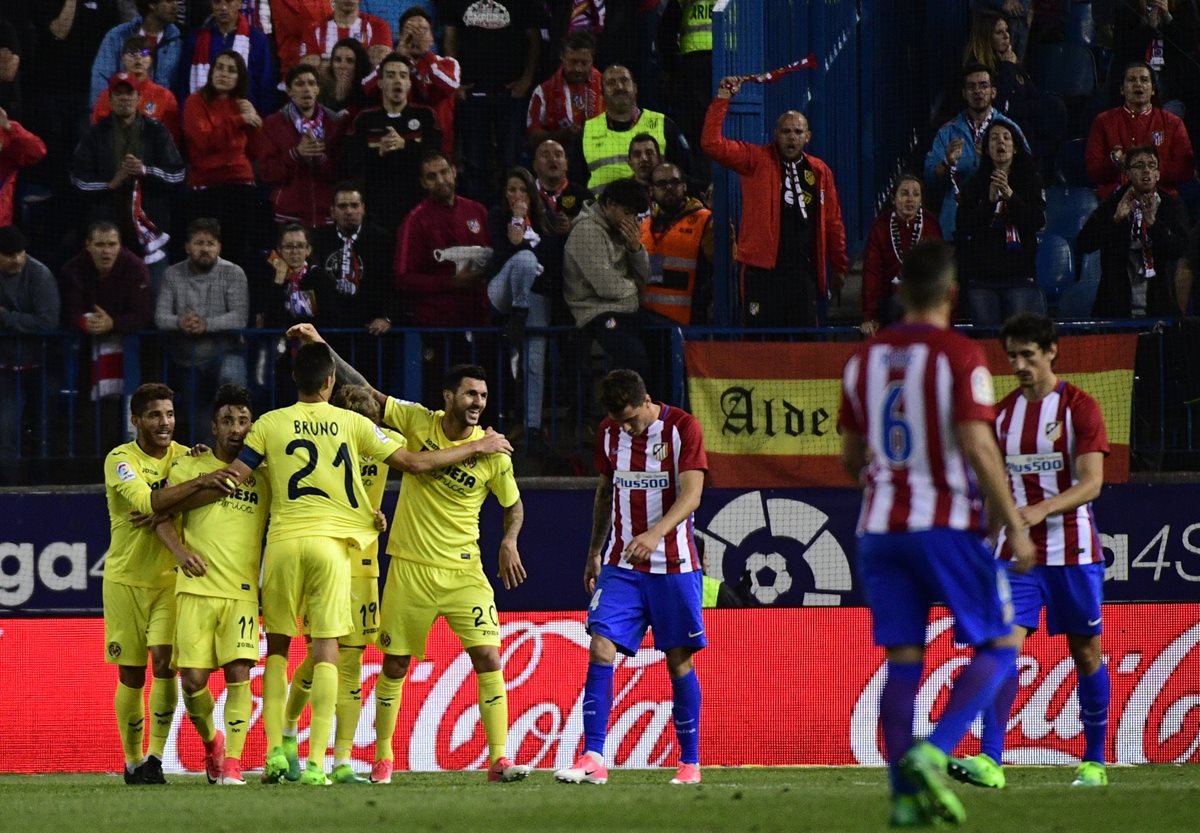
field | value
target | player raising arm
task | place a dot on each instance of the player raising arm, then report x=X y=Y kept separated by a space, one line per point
x=1053 y=439
x=916 y=422
x=436 y=568
x=651 y=461
x=219 y=550
x=321 y=519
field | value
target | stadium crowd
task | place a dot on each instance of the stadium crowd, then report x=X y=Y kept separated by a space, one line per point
x=205 y=166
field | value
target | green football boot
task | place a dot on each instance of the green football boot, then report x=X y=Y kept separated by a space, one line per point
x=980 y=770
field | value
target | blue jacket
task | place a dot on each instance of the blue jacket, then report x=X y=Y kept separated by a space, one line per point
x=261 y=89
x=957 y=128
x=108 y=57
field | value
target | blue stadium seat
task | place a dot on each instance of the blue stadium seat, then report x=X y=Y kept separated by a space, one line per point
x=1077 y=301
x=1089 y=268
x=1071 y=165
x=1067 y=209
x=1055 y=269
x=1068 y=69
x=1081 y=24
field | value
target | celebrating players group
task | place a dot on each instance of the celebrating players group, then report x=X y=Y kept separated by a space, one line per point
x=182 y=575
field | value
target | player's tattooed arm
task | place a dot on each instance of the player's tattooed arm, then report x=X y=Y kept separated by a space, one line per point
x=346 y=374
x=601 y=527
x=512 y=571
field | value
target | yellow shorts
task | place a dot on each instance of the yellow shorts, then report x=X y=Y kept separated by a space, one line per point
x=416 y=595
x=310 y=576
x=211 y=632
x=364 y=612
x=136 y=618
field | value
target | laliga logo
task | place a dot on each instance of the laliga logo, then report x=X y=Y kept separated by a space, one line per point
x=776 y=536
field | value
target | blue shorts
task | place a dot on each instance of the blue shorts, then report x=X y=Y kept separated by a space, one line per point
x=1071 y=595
x=626 y=602
x=904 y=574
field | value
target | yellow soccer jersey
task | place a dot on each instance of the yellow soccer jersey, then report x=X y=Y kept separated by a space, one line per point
x=437 y=516
x=374 y=477
x=314 y=451
x=135 y=556
x=227 y=534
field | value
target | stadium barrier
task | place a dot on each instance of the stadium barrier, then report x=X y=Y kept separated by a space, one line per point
x=804 y=709
x=51 y=378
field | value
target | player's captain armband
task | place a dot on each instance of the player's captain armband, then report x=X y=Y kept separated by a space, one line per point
x=1034 y=463
x=982 y=390
x=125 y=472
x=642 y=480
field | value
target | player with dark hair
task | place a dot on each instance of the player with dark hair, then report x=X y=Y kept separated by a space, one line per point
x=916 y=422
x=321 y=519
x=1053 y=439
x=218 y=547
x=139 y=577
x=436 y=568
x=642 y=567
x=364 y=611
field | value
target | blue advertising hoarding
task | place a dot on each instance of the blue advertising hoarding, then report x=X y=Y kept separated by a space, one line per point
x=797 y=546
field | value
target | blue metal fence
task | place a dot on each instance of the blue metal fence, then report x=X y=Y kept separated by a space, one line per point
x=56 y=431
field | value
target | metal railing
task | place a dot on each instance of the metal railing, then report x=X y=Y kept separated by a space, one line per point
x=56 y=431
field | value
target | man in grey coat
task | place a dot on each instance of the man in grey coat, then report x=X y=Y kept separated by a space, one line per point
x=604 y=269
x=29 y=304
x=204 y=300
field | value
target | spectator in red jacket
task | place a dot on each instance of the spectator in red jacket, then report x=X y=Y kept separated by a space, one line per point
x=297 y=152
x=896 y=230
x=154 y=100
x=573 y=94
x=107 y=296
x=220 y=128
x=791 y=219
x=435 y=78
x=18 y=149
x=291 y=21
x=1136 y=123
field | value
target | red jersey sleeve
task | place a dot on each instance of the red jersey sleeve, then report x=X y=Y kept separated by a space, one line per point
x=603 y=466
x=380 y=34
x=1088 y=422
x=692 y=456
x=972 y=389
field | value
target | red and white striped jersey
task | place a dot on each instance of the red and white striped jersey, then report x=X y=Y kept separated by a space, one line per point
x=904 y=392
x=645 y=476
x=368 y=30
x=1041 y=442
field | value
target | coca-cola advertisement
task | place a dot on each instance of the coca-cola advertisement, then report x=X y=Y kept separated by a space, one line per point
x=791 y=686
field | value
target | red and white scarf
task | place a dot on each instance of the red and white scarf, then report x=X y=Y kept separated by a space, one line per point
x=1139 y=231
x=298 y=302
x=108 y=366
x=153 y=241
x=314 y=126
x=897 y=245
x=202 y=52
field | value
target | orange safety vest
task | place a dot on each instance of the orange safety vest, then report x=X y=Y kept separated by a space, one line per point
x=674 y=258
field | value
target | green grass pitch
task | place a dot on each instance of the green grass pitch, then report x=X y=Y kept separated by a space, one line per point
x=1158 y=799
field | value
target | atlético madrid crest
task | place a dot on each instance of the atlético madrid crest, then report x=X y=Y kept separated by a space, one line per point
x=659 y=450
x=1053 y=431
x=473 y=226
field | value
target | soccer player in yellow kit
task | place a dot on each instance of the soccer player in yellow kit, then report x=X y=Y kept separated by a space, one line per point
x=139 y=576
x=364 y=611
x=321 y=519
x=219 y=551
x=436 y=568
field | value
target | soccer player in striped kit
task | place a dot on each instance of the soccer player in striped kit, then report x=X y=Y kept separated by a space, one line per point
x=917 y=431
x=642 y=567
x=1053 y=439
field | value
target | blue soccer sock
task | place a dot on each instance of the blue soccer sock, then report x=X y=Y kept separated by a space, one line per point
x=995 y=716
x=1093 y=712
x=597 y=706
x=896 y=706
x=975 y=687
x=686 y=712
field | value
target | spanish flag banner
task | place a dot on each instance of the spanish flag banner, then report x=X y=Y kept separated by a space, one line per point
x=769 y=409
